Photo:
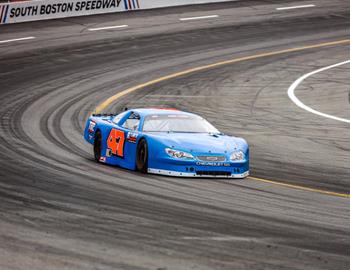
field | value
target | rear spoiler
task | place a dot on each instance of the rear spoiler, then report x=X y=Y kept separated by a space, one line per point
x=103 y=114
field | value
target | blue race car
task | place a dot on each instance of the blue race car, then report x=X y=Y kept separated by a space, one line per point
x=167 y=142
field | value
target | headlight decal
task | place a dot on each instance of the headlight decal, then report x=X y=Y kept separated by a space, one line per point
x=179 y=154
x=237 y=156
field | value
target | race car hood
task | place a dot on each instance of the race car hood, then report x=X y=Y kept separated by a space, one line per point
x=201 y=142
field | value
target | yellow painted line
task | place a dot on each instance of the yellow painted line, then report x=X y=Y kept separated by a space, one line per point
x=300 y=187
x=125 y=92
x=112 y=99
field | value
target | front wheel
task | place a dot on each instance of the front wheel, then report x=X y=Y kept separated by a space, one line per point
x=142 y=156
x=97 y=146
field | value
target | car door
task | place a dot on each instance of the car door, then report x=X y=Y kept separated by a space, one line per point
x=122 y=139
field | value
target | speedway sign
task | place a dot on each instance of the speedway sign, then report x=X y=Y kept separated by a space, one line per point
x=42 y=10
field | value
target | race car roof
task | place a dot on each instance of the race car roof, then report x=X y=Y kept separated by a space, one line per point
x=160 y=111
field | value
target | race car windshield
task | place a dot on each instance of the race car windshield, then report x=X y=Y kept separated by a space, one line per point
x=178 y=123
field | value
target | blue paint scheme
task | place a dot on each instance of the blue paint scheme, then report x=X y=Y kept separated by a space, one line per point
x=197 y=144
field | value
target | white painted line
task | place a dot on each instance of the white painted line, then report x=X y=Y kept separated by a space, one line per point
x=108 y=27
x=292 y=96
x=16 y=39
x=296 y=7
x=222 y=238
x=199 y=18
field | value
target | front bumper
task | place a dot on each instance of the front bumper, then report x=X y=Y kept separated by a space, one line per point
x=202 y=174
x=165 y=165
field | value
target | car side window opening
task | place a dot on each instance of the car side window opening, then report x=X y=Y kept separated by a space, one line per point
x=119 y=117
x=132 y=122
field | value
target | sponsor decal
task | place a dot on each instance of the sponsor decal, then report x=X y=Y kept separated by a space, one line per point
x=92 y=126
x=3 y=13
x=212 y=158
x=131 y=4
x=103 y=159
x=132 y=137
x=108 y=152
x=36 y=10
x=217 y=164
x=63 y=7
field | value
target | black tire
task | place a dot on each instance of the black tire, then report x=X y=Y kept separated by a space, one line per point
x=97 y=146
x=142 y=156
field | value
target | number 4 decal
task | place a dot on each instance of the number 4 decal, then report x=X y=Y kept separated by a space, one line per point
x=115 y=142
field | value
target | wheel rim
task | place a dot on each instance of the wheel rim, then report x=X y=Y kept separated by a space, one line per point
x=97 y=148
x=142 y=157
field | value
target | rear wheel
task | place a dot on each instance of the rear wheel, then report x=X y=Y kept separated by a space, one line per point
x=97 y=146
x=142 y=156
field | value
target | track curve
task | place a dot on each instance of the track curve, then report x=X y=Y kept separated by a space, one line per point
x=58 y=207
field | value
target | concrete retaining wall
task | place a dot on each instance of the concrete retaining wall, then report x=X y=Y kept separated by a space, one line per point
x=43 y=10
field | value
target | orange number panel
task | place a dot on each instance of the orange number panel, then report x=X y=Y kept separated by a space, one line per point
x=115 y=142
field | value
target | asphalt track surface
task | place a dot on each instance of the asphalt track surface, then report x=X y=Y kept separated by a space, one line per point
x=61 y=210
